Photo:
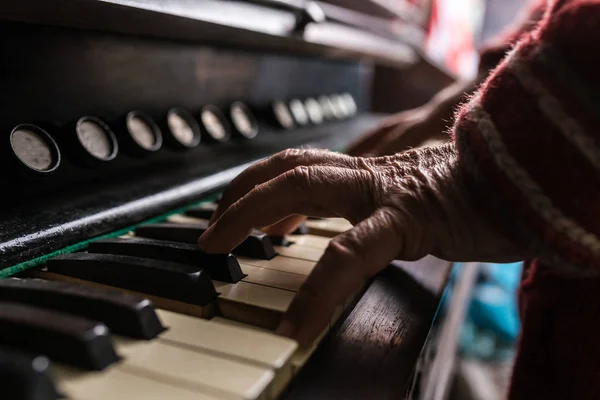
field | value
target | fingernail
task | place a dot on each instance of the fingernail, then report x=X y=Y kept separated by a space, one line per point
x=286 y=328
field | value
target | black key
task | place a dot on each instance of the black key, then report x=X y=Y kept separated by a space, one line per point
x=62 y=337
x=171 y=280
x=257 y=245
x=220 y=267
x=301 y=230
x=280 y=241
x=123 y=313
x=25 y=377
x=203 y=211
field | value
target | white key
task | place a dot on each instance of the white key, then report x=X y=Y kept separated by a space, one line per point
x=280 y=263
x=230 y=322
x=301 y=252
x=328 y=227
x=184 y=219
x=260 y=348
x=273 y=278
x=253 y=304
x=116 y=383
x=202 y=372
x=237 y=343
x=315 y=241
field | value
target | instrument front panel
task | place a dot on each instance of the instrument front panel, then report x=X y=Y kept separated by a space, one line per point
x=84 y=87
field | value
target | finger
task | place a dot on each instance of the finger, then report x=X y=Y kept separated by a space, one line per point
x=366 y=143
x=350 y=260
x=317 y=191
x=272 y=167
x=287 y=226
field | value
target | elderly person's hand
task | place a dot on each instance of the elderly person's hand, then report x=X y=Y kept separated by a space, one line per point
x=403 y=131
x=402 y=207
x=413 y=128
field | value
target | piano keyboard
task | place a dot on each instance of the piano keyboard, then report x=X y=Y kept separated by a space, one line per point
x=209 y=337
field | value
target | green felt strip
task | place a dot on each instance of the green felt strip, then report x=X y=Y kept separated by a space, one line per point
x=84 y=244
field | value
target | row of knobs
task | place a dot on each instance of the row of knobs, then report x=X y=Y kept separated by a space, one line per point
x=91 y=141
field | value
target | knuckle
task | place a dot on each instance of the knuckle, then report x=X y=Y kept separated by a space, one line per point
x=300 y=177
x=288 y=155
x=345 y=249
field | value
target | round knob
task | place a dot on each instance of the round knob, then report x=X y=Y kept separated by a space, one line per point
x=34 y=152
x=142 y=135
x=299 y=112
x=183 y=132
x=282 y=115
x=243 y=120
x=314 y=111
x=214 y=125
x=92 y=142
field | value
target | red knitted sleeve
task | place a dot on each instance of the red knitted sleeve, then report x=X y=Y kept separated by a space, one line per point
x=493 y=52
x=529 y=139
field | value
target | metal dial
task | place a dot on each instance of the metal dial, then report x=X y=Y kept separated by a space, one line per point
x=282 y=115
x=314 y=111
x=144 y=131
x=214 y=123
x=350 y=104
x=96 y=139
x=243 y=120
x=340 y=111
x=326 y=107
x=183 y=128
x=299 y=112
x=34 y=148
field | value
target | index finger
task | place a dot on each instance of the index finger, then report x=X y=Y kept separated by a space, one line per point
x=316 y=191
x=265 y=170
x=349 y=261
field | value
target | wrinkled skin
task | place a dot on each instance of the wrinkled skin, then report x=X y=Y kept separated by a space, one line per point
x=404 y=206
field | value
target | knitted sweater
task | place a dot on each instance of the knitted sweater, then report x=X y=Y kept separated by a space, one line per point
x=529 y=150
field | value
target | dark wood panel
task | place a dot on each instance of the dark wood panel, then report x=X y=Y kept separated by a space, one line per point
x=394 y=89
x=230 y=23
x=372 y=354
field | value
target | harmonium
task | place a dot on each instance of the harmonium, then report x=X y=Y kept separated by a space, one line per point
x=121 y=121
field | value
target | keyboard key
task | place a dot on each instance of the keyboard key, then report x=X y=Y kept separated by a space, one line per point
x=122 y=313
x=301 y=230
x=301 y=252
x=203 y=211
x=318 y=242
x=279 y=263
x=328 y=227
x=200 y=371
x=257 y=245
x=25 y=377
x=120 y=383
x=222 y=267
x=253 y=304
x=250 y=346
x=62 y=337
x=174 y=281
x=280 y=241
x=273 y=278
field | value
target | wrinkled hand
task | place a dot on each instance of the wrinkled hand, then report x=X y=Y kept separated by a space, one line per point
x=397 y=133
x=402 y=207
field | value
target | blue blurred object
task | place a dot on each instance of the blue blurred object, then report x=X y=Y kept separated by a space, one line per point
x=492 y=323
